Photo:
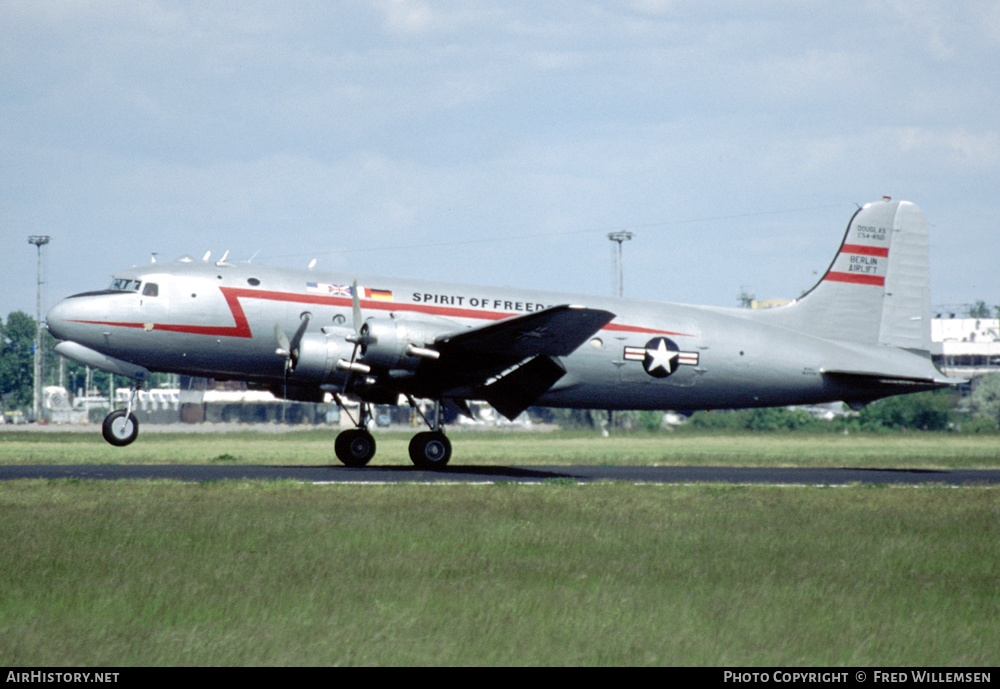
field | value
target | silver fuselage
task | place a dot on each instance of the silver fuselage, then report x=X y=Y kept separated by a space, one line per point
x=220 y=320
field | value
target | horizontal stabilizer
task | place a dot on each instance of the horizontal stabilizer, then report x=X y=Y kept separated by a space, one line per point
x=884 y=379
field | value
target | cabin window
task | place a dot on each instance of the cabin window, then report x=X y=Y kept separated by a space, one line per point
x=151 y=290
x=253 y=282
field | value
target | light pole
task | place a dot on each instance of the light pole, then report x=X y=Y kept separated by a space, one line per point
x=620 y=237
x=39 y=241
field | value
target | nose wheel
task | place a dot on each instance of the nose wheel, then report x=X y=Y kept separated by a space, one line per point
x=120 y=427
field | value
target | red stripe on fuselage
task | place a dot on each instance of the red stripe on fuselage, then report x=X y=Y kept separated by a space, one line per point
x=242 y=326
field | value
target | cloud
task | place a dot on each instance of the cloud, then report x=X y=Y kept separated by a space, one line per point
x=407 y=16
x=308 y=125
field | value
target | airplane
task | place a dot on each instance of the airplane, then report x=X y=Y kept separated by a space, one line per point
x=860 y=334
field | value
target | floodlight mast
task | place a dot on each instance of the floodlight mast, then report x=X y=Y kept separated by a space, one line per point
x=620 y=237
x=39 y=241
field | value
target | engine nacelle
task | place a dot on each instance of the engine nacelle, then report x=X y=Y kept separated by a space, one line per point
x=318 y=354
x=398 y=344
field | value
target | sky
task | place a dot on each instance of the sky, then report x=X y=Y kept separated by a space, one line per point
x=497 y=143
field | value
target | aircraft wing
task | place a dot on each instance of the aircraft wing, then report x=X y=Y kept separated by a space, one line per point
x=555 y=331
x=510 y=363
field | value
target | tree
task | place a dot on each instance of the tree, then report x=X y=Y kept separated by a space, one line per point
x=17 y=339
x=985 y=398
x=979 y=310
x=929 y=411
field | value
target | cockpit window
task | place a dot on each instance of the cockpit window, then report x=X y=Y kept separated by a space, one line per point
x=151 y=290
x=125 y=285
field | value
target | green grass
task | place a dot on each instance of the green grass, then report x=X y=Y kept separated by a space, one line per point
x=315 y=447
x=247 y=573
x=243 y=573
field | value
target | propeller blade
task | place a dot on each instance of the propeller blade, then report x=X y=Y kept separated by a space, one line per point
x=284 y=347
x=290 y=348
x=299 y=332
x=356 y=303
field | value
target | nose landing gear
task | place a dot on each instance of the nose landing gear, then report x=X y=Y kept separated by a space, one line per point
x=120 y=427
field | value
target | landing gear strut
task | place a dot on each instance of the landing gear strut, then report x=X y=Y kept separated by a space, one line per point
x=430 y=449
x=355 y=447
x=120 y=427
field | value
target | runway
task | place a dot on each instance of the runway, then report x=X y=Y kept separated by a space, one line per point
x=511 y=474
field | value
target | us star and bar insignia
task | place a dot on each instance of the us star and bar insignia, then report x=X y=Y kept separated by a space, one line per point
x=661 y=356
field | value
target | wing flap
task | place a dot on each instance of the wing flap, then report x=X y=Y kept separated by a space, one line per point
x=517 y=390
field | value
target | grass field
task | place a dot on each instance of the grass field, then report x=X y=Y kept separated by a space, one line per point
x=255 y=573
x=283 y=574
x=890 y=450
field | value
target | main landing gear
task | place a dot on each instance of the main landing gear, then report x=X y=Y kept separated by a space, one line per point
x=120 y=427
x=428 y=450
x=356 y=447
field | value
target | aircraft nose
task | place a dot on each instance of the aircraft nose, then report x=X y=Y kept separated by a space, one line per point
x=58 y=319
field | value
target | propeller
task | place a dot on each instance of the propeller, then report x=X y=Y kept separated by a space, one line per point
x=358 y=321
x=289 y=349
x=359 y=338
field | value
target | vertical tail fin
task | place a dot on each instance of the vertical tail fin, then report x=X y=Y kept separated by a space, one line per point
x=877 y=289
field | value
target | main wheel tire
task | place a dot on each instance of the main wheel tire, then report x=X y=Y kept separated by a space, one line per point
x=119 y=429
x=355 y=448
x=430 y=450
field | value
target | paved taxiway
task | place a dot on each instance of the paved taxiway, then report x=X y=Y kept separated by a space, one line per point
x=519 y=474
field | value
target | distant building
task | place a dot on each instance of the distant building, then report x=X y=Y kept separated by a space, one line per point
x=966 y=347
x=768 y=303
x=960 y=347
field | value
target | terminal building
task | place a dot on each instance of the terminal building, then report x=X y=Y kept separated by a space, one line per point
x=966 y=347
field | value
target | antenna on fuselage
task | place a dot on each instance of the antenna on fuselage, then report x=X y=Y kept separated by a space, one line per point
x=312 y=264
x=208 y=255
x=153 y=257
